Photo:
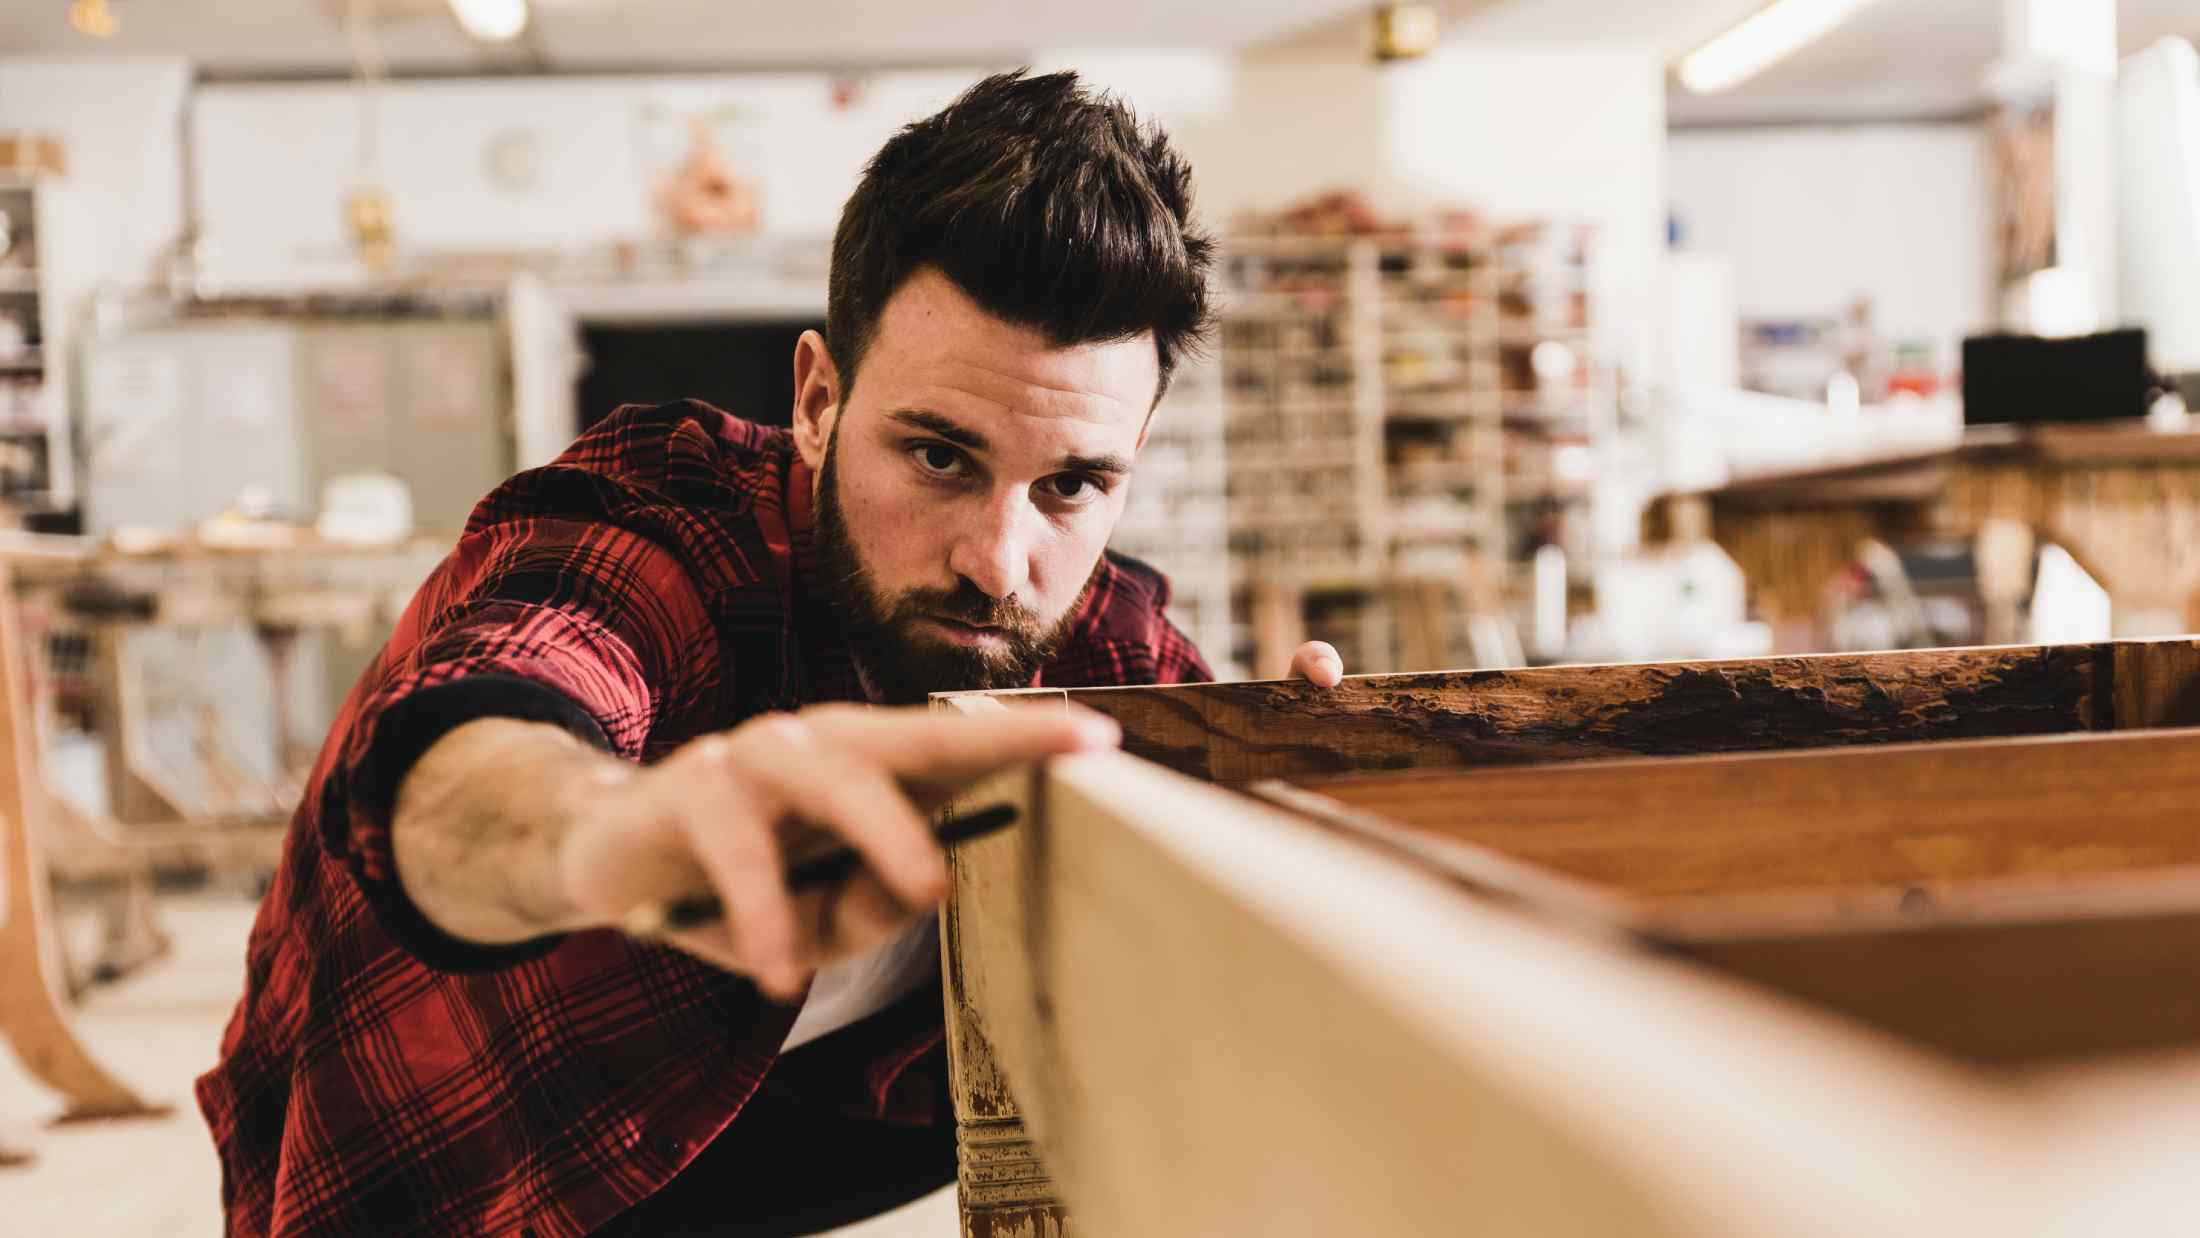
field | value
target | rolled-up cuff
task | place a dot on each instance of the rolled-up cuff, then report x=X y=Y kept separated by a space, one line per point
x=402 y=734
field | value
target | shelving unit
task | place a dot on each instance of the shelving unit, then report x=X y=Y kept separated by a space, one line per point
x=37 y=446
x=1406 y=414
x=1175 y=518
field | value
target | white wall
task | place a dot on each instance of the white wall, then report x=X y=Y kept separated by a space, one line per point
x=1519 y=129
x=1575 y=132
x=121 y=119
x=1568 y=132
x=275 y=162
x=1813 y=218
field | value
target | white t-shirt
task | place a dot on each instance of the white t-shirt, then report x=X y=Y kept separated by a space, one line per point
x=852 y=989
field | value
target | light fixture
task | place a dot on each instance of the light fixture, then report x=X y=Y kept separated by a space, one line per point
x=493 y=21
x=1766 y=38
x=94 y=19
x=1405 y=31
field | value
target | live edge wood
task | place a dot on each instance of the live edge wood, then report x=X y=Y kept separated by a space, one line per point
x=1241 y=732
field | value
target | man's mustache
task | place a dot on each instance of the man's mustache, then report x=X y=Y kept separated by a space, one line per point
x=966 y=603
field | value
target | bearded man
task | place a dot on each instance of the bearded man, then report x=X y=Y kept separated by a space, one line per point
x=648 y=662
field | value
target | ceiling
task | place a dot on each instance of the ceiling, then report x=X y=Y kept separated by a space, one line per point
x=248 y=37
x=1903 y=58
x=1895 y=59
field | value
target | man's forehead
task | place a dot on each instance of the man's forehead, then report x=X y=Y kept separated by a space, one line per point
x=934 y=343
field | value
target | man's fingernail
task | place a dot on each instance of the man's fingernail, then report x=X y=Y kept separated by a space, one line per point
x=1099 y=731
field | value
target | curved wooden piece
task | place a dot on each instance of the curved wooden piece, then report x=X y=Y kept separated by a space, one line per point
x=31 y=1016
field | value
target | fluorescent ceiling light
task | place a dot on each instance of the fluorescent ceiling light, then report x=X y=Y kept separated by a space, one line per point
x=1770 y=36
x=495 y=21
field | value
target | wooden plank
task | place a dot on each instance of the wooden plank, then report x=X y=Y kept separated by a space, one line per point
x=1904 y=815
x=1241 y=732
x=2009 y=901
x=2025 y=988
x=2157 y=683
x=1002 y=1187
x=1238 y=1022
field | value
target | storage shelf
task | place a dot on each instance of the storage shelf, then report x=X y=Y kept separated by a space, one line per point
x=1419 y=339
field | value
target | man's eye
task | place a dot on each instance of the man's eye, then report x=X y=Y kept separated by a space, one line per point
x=1075 y=487
x=938 y=459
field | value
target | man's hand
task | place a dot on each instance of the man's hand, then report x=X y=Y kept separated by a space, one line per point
x=713 y=816
x=506 y=830
x=1317 y=663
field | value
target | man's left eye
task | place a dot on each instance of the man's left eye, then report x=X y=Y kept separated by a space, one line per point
x=1074 y=486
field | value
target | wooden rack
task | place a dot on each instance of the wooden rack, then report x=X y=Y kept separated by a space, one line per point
x=1397 y=408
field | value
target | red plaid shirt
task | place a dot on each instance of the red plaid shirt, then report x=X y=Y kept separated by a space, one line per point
x=380 y=1077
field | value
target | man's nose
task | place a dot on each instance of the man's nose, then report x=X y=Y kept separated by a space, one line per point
x=993 y=548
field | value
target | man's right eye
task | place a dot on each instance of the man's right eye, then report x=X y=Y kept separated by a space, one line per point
x=937 y=459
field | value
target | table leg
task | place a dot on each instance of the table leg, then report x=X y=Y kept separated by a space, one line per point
x=31 y=1016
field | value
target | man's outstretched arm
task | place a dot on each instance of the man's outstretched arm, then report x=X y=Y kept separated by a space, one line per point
x=507 y=830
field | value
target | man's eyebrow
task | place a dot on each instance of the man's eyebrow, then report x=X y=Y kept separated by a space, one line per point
x=1114 y=466
x=933 y=423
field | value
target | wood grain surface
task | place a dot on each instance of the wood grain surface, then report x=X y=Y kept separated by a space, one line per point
x=1226 y=1019
x=1240 y=732
x=1003 y=1189
x=1911 y=814
x=2008 y=901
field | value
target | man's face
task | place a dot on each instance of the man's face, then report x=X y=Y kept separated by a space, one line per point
x=966 y=485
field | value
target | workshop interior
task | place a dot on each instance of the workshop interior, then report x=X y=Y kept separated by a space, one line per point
x=1737 y=454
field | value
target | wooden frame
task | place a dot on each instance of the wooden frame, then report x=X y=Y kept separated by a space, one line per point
x=1216 y=1015
x=33 y=1015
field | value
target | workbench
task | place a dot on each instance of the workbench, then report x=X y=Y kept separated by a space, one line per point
x=279 y=588
x=2123 y=499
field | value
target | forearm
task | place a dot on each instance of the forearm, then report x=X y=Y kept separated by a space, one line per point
x=480 y=823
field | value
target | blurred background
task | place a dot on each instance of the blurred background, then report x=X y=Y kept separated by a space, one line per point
x=1552 y=330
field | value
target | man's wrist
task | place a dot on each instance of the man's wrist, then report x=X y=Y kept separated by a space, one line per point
x=480 y=825
x=580 y=805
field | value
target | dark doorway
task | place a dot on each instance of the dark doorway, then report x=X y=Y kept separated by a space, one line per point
x=745 y=368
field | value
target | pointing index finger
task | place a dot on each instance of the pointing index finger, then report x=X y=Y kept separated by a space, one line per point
x=944 y=751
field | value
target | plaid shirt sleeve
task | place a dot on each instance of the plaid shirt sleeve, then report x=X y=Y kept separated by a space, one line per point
x=587 y=626
x=1124 y=635
x=570 y=617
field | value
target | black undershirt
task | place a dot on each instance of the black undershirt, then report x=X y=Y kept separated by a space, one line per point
x=789 y=1165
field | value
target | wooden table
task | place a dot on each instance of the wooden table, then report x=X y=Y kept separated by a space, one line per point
x=1848 y=945
x=2124 y=500
x=280 y=590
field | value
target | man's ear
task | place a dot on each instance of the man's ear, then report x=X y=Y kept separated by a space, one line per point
x=816 y=398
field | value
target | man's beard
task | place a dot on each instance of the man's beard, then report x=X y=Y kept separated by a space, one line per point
x=900 y=664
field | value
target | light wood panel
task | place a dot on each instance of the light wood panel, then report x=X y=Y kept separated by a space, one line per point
x=1907 y=815
x=1225 y=1019
x=2008 y=901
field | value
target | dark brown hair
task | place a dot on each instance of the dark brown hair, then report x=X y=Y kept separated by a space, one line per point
x=1049 y=206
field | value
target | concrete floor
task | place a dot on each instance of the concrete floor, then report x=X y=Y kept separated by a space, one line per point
x=160 y=1029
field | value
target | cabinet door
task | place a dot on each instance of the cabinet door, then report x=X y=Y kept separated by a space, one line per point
x=347 y=399
x=448 y=420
